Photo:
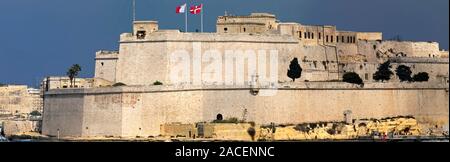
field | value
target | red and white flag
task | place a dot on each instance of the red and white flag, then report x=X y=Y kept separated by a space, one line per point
x=196 y=9
x=181 y=9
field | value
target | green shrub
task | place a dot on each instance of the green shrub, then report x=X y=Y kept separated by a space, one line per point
x=384 y=72
x=119 y=84
x=157 y=83
x=421 y=77
x=35 y=113
x=229 y=120
x=404 y=73
x=352 y=77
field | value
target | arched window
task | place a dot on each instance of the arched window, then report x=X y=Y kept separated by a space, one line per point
x=320 y=35
x=245 y=29
x=312 y=35
x=219 y=117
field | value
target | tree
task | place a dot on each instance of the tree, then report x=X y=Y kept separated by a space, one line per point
x=384 y=72
x=421 y=77
x=352 y=77
x=73 y=72
x=404 y=73
x=294 y=71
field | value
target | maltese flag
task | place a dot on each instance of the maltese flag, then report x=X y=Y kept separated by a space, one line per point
x=196 y=9
x=181 y=9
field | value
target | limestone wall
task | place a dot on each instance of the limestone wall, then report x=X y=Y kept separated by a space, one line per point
x=369 y=36
x=143 y=63
x=105 y=65
x=15 y=99
x=140 y=110
x=63 y=115
x=20 y=127
x=384 y=49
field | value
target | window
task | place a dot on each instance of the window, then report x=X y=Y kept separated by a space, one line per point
x=348 y=39
x=245 y=29
x=332 y=39
x=305 y=35
x=102 y=63
x=140 y=34
x=327 y=38
x=342 y=40
x=337 y=39
x=300 y=34
x=225 y=29
x=309 y=35
x=320 y=35
x=312 y=35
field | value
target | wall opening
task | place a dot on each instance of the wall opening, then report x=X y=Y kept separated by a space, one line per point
x=141 y=34
x=219 y=117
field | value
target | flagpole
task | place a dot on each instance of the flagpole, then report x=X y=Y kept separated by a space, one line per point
x=185 y=19
x=134 y=10
x=203 y=10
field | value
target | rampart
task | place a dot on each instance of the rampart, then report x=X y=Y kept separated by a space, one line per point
x=140 y=110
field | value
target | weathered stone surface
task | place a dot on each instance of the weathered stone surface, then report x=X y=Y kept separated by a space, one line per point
x=140 y=110
x=19 y=127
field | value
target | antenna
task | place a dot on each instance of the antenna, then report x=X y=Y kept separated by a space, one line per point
x=134 y=10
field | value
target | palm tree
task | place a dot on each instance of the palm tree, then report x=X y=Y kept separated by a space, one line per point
x=73 y=72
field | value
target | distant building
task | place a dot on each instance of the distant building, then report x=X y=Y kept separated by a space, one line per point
x=62 y=82
x=19 y=99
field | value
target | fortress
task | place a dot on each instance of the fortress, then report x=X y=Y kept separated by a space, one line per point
x=324 y=53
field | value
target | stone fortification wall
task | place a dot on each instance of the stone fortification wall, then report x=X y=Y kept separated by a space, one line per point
x=140 y=110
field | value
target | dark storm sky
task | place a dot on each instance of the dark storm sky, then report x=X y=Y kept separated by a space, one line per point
x=44 y=37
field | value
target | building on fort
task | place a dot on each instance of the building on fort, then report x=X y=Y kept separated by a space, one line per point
x=325 y=54
x=63 y=82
